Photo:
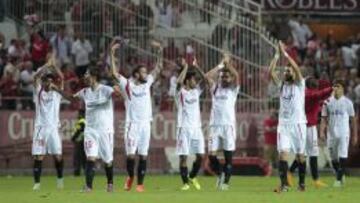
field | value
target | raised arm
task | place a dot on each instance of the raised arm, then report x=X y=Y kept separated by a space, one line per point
x=232 y=70
x=113 y=71
x=67 y=96
x=293 y=64
x=318 y=94
x=58 y=72
x=272 y=68
x=204 y=81
x=181 y=78
x=159 y=60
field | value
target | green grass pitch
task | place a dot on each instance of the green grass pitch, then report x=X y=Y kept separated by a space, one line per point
x=165 y=189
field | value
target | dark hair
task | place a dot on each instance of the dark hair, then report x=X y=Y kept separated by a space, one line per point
x=94 y=71
x=137 y=69
x=189 y=75
x=48 y=76
x=340 y=82
x=224 y=70
x=311 y=83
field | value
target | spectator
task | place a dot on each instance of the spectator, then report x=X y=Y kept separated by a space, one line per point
x=171 y=51
x=12 y=69
x=81 y=50
x=8 y=90
x=348 y=56
x=26 y=85
x=61 y=43
x=39 y=49
x=145 y=15
x=301 y=33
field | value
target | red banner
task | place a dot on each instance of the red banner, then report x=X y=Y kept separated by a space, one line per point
x=17 y=127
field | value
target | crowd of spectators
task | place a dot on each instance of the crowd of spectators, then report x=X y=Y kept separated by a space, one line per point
x=323 y=57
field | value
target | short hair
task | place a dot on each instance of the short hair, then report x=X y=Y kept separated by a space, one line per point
x=339 y=82
x=48 y=76
x=189 y=75
x=311 y=83
x=137 y=69
x=94 y=71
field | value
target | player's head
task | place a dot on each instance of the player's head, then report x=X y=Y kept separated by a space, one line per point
x=289 y=74
x=311 y=83
x=46 y=80
x=339 y=88
x=140 y=73
x=226 y=78
x=92 y=75
x=190 y=80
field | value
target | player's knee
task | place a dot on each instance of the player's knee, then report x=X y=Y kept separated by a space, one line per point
x=142 y=157
x=38 y=157
x=58 y=157
x=183 y=160
x=212 y=153
x=130 y=156
x=199 y=157
x=91 y=158
x=283 y=156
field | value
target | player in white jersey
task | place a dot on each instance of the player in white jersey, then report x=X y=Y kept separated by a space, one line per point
x=291 y=132
x=137 y=95
x=99 y=128
x=189 y=136
x=46 y=138
x=337 y=113
x=224 y=83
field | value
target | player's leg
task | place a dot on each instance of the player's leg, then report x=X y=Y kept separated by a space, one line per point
x=312 y=151
x=343 y=154
x=283 y=150
x=294 y=166
x=131 y=142
x=184 y=172
x=37 y=169
x=333 y=150
x=229 y=148
x=214 y=146
x=106 y=152
x=38 y=152
x=298 y=138
x=91 y=150
x=59 y=166
x=197 y=147
x=183 y=150
x=302 y=171
x=143 y=148
x=55 y=148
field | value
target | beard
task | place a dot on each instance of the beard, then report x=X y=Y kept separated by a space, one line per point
x=142 y=80
x=289 y=78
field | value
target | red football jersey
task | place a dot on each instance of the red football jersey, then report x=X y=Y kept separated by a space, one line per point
x=313 y=102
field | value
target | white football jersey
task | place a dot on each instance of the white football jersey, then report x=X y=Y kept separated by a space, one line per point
x=138 y=101
x=292 y=103
x=47 y=107
x=223 y=105
x=99 y=111
x=338 y=112
x=188 y=108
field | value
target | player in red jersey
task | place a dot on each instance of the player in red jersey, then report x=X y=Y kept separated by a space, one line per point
x=314 y=97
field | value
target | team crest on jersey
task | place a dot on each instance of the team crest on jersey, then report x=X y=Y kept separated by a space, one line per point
x=190 y=101
x=221 y=97
x=140 y=94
